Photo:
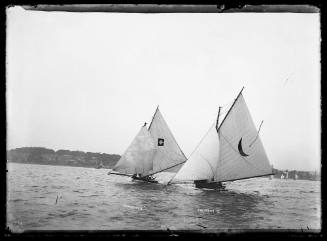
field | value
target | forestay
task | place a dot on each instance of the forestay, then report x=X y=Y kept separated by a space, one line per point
x=138 y=156
x=202 y=163
x=167 y=152
x=237 y=159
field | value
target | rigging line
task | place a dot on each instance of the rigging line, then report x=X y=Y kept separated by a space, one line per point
x=285 y=82
x=166 y=168
x=214 y=123
x=202 y=138
x=256 y=135
x=238 y=153
x=213 y=173
x=227 y=103
x=178 y=154
x=223 y=110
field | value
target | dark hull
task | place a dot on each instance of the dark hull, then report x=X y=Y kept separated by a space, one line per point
x=209 y=185
x=144 y=179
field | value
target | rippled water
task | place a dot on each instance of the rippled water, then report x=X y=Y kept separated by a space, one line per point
x=43 y=197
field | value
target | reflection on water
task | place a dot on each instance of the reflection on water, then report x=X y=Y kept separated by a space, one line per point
x=68 y=198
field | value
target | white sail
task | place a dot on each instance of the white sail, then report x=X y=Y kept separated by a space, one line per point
x=202 y=163
x=167 y=152
x=242 y=154
x=139 y=155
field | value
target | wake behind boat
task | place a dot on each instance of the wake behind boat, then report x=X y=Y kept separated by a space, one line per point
x=152 y=151
x=228 y=152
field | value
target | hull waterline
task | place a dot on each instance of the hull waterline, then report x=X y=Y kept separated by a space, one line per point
x=209 y=185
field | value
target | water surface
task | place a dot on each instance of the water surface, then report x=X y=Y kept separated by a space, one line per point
x=44 y=197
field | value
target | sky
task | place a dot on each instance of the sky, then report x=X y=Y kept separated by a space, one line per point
x=89 y=81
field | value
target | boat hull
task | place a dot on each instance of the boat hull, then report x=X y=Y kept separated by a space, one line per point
x=144 y=180
x=209 y=185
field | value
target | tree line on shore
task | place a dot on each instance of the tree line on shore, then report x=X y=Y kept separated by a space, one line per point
x=41 y=155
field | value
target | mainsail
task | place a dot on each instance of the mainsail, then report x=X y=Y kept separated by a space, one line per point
x=241 y=153
x=168 y=155
x=240 y=156
x=138 y=156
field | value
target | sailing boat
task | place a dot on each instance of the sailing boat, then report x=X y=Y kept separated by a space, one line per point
x=228 y=152
x=295 y=176
x=153 y=150
x=99 y=165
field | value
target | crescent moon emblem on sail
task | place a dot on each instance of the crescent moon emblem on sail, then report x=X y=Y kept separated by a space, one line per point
x=240 y=149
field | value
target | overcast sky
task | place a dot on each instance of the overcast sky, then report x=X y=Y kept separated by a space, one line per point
x=89 y=81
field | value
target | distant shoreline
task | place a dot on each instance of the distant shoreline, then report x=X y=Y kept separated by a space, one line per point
x=45 y=156
x=54 y=164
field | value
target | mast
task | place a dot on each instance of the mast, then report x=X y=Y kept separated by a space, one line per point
x=218 y=118
x=217 y=125
x=230 y=108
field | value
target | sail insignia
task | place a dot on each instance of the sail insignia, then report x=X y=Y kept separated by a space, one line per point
x=161 y=142
x=240 y=149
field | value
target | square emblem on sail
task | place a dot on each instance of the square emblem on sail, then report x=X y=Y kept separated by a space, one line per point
x=161 y=142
